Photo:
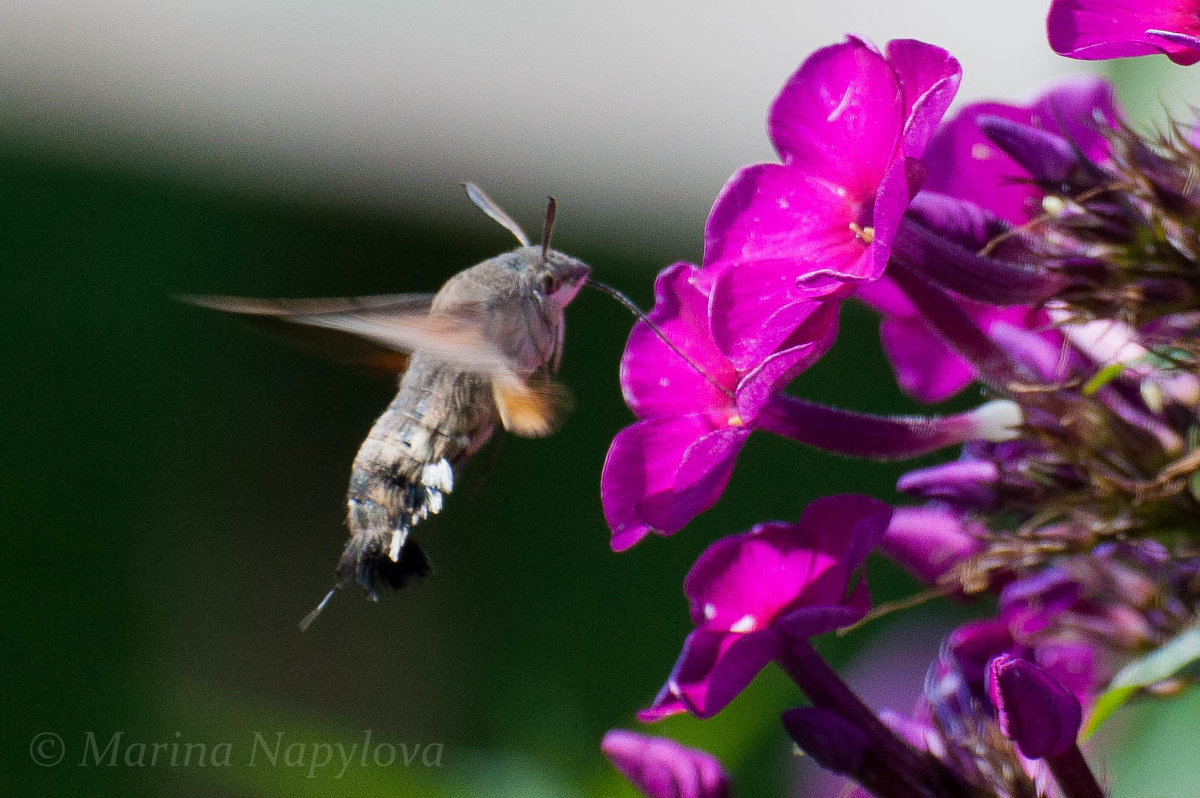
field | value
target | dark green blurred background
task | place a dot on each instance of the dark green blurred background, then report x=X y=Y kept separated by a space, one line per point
x=173 y=491
x=174 y=498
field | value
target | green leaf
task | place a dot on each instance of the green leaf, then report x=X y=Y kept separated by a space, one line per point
x=1164 y=662
x=1103 y=377
x=1166 y=358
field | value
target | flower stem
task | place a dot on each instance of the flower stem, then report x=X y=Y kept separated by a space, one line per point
x=1073 y=775
x=916 y=773
x=882 y=437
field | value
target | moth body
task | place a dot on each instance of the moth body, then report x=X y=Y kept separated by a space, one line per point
x=479 y=353
x=443 y=413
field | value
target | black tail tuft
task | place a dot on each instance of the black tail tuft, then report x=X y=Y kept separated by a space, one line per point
x=366 y=563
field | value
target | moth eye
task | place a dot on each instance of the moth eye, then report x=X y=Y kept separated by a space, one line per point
x=549 y=284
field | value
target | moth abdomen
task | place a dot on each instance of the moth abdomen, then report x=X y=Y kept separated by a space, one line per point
x=400 y=477
x=367 y=562
x=384 y=498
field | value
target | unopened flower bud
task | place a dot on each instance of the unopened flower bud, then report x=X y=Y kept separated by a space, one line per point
x=1035 y=711
x=662 y=768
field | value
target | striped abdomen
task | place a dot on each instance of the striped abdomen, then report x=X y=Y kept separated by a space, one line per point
x=404 y=468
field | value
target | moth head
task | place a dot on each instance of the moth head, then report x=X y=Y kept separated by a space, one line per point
x=558 y=277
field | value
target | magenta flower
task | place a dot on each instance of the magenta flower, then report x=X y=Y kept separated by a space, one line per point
x=1098 y=29
x=823 y=220
x=970 y=647
x=662 y=768
x=925 y=367
x=674 y=463
x=929 y=540
x=965 y=164
x=750 y=594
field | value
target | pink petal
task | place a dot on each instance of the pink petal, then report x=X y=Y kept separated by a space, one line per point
x=662 y=472
x=780 y=214
x=1076 y=109
x=928 y=540
x=712 y=669
x=700 y=480
x=900 y=183
x=662 y=768
x=806 y=344
x=929 y=77
x=756 y=307
x=925 y=368
x=742 y=581
x=805 y=623
x=843 y=99
x=886 y=297
x=1181 y=47
x=656 y=381
x=964 y=163
x=844 y=528
x=1095 y=29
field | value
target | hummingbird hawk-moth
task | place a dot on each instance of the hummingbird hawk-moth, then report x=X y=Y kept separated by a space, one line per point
x=480 y=352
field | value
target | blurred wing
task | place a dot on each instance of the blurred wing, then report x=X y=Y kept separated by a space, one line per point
x=380 y=331
x=381 y=327
x=289 y=319
x=400 y=303
x=529 y=408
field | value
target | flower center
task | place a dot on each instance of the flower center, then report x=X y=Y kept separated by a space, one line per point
x=863 y=234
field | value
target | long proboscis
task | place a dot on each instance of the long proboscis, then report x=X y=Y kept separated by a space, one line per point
x=632 y=307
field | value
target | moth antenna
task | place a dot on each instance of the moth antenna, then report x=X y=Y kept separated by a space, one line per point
x=485 y=204
x=633 y=308
x=548 y=227
x=312 y=616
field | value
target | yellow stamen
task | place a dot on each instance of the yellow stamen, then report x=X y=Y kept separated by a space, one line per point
x=863 y=234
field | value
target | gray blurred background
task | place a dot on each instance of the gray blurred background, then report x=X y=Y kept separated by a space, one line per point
x=173 y=484
x=632 y=113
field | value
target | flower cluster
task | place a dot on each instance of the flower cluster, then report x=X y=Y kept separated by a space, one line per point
x=1047 y=253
